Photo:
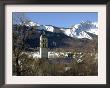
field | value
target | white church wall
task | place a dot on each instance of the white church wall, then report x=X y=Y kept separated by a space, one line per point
x=43 y=53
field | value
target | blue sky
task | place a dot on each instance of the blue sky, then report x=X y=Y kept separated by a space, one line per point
x=61 y=19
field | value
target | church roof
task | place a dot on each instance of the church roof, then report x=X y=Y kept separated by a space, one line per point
x=43 y=34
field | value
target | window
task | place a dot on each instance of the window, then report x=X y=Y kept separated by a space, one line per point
x=44 y=45
x=43 y=40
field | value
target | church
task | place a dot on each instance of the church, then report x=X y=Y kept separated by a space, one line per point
x=43 y=45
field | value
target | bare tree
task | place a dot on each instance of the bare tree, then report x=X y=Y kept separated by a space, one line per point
x=19 y=39
x=20 y=18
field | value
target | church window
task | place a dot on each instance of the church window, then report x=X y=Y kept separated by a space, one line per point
x=43 y=40
x=43 y=45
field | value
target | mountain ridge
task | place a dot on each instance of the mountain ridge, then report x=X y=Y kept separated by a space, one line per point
x=56 y=37
x=76 y=31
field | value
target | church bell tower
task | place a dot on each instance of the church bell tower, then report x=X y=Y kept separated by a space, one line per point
x=43 y=45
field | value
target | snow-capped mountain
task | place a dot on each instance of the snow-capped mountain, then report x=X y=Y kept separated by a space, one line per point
x=77 y=31
x=80 y=30
x=54 y=29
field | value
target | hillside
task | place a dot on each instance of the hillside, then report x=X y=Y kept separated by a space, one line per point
x=79 y=39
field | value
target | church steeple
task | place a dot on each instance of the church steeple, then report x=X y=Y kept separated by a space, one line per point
x=43 y=40
x=43 y=45
x=43 y=34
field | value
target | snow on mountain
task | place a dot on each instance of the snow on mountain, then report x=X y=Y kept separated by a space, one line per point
x=49 y=28
x=41 y=27
x=54 y=29
x=67 y=32
x=30 y=24
x=76 y=34
x=83 y=34
x=80 y=30
x=93 y=31
x=77 y=31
